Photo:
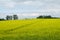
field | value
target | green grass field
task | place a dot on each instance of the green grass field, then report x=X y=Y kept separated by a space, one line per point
x=35 y=29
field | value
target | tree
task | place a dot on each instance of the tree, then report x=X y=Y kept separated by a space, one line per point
x=44 y=16
x=15 y=17
x=47 y=16
x=8 y=17
x=1 y=19
x=40 y=16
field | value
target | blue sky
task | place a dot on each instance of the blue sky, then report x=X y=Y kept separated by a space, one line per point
x=29 y=8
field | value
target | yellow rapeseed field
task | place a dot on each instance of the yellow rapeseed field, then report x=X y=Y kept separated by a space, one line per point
x=34 y=29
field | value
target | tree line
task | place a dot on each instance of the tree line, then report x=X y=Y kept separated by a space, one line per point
x=46 y=17
x=15 y=17
x=8 y=17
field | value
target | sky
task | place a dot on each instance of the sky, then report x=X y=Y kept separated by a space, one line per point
x=29 y=8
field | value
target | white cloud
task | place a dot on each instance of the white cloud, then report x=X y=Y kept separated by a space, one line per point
x=44 y=6
x=10 y=4
x=28 y=2
x=30 y=14
x=41 y=3
x=33 y=3
x=7 y=3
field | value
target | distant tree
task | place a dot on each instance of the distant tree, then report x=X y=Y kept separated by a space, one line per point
x=47 y=16
x=15 y=17
x=40 y=16
x=1 y=19
x=44 y=16
x=8 y=17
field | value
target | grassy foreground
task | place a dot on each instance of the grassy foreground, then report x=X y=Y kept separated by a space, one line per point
x=36 y=29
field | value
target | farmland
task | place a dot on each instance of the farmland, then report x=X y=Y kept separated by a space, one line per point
x=34 y=29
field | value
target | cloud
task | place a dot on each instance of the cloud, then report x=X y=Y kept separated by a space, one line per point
x=10 y=4
x=31 y=14
x=43 y=6
x=7 y=3
x=38 y=3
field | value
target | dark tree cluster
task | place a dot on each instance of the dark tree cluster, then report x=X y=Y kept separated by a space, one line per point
x=1 y=19
x=8 y=17
x=42 y=16
x=14 y=17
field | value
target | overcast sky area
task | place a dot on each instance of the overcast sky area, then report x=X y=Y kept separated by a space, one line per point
x=29 y=8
